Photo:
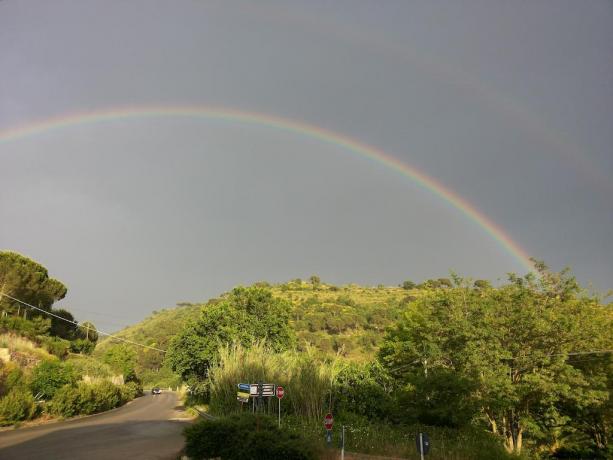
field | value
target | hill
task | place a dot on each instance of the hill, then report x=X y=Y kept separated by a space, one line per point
x=347 y=320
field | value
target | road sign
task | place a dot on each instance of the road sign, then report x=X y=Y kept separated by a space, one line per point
x=268 y=389
x=280 y=392
x=244 y=387
x=423 y=444
x=242 y=396
x=328 y=421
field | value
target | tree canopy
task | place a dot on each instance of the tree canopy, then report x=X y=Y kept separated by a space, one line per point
x=509 y=351
x=245 y=316
x=27 y=280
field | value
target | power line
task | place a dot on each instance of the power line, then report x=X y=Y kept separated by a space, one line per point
x=76 y=323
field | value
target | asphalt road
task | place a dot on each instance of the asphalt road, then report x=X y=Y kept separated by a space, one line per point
x=149 y=428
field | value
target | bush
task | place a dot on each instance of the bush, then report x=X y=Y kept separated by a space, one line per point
x=363 y=389
x=245 y=436
x=28 y=328
x=11 y=376
x=54 y=345
x=130 y=390
x=17 y=406
x=101 y=397
x=88 y=398
x=66 y=402
x=50 y=376
x=82 y=346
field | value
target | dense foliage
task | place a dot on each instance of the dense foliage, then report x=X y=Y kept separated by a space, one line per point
x=245 y=436
x=28 y=281
x=16 y=406
x=90 y=398
x=44 y=353
x=245 y=316
x=506 y=357
x=50 y=376
x=461 y=356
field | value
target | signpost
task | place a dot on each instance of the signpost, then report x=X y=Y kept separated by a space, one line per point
x=423 y=444
x=267 y=389
x=243 y=392
x=328 y=421
x=343 y=444
x=280 y=394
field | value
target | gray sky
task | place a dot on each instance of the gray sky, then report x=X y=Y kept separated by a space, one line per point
x=509 y=104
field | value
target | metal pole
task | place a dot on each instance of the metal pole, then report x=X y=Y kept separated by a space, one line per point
x=343 y=444
x=421 y=445
x=279 y=412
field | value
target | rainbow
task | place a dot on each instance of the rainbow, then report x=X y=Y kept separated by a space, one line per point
x=293 y=126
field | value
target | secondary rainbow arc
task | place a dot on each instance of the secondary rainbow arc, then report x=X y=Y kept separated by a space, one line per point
x=299 y=127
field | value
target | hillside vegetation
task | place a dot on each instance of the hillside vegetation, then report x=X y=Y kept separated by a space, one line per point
x=45 y=364
x=332 y=320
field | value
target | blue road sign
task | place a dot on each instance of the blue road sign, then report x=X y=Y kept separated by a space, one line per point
x=244 y=387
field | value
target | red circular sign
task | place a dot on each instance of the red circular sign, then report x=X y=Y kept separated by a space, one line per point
x=328 y=421
x=280 y=392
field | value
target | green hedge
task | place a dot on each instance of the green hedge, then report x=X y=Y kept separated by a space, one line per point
x=245 y=436
x=85 y=398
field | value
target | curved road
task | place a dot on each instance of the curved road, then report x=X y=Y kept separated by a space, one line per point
x=149 y=427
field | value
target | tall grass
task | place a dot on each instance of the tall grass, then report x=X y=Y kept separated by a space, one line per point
x=22 y=345
x=307 y=382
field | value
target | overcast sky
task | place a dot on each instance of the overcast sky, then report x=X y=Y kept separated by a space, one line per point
x=508 y=104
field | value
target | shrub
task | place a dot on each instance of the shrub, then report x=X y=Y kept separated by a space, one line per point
x=11 y=377
x=130 y=390
x=363 y=389
x=50 y=376
x=87 y=398
x=245 y=436
x=82 y=346
x=54 y=345
x=17 y=406
x=102 y=396
x=66 y=402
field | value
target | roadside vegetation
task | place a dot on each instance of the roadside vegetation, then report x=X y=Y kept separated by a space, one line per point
x=488 y=372
x=46 y=367
x=522 y=369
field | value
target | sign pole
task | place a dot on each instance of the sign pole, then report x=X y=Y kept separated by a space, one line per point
x=343 y=444
x=279 y=412
x=421 y=445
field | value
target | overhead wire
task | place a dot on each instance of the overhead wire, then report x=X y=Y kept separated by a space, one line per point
x=76 y=323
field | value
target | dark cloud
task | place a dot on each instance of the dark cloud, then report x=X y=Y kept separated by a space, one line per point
x=510 y=105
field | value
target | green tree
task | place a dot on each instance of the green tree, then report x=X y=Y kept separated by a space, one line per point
x=121 y=358
x=408 y=285
x=482 y=284
x=65 y=328
x=27 y=280
x=509 y=345
x=315 y=281
x=245 y=316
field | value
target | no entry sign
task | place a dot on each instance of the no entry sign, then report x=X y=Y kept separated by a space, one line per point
x=328 y=421
x=280 y=392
